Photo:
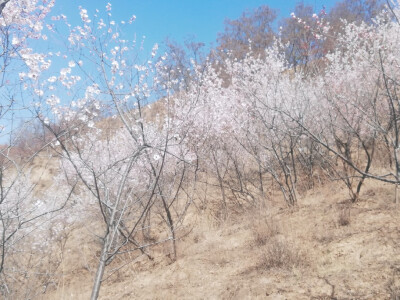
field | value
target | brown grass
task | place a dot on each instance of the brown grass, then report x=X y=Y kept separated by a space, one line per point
x=264 y=231
x=344 y=216
x=281 y=254
x=320 y=249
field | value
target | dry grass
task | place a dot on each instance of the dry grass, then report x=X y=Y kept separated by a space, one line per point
x=344 y=216
x=324 y=248
x=263 y=231
x=281 y=254
x=321 y=249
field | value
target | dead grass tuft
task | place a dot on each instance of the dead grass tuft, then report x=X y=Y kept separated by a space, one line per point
x=264 y=231
x=344 y=216
x=281 y=254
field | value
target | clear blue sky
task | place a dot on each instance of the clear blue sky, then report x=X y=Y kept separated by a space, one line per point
x=178 y=19
x=175 y=19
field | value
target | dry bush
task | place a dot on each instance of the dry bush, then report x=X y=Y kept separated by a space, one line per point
x=395 y=294
x=393 y=285
x=281 y=254
x=344 y=216
x=264 y=231
x=325 y=236
x=38 y=264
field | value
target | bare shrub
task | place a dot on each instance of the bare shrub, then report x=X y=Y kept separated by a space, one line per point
x=264 y=231
x=325 y=236
x=395 y=294
x=279 y=253
x=344 y=216
x=393 y=285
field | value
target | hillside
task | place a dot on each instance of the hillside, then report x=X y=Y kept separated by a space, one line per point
x=268 y=168
x=325 y=248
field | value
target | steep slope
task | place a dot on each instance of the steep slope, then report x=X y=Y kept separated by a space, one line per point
x=326 y=248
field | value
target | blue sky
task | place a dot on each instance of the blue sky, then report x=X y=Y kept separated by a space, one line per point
x=179 y=19
x=175 y=19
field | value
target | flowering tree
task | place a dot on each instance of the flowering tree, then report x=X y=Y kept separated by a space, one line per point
x=130 y=164
x=304 y=38
x=132 y=133
x=371 y=53
x=354 y=115
x=22 y=211
x=289 y=123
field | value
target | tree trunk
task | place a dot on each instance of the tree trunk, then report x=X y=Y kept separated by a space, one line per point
x=100 y=268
